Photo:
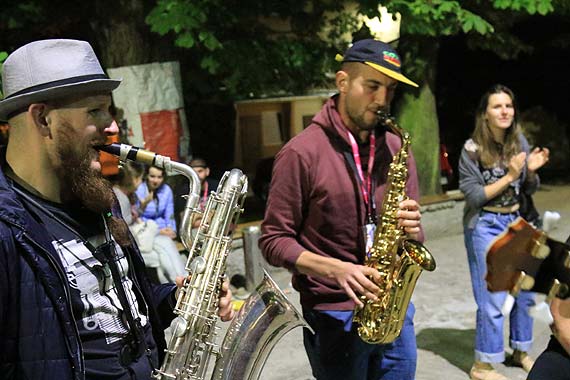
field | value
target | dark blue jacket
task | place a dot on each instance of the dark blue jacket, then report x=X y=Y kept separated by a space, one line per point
x=38 y=334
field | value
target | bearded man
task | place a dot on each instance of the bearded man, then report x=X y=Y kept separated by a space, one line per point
x=74 y=299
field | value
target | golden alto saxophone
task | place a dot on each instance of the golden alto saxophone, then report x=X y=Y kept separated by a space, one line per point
x=399 y=260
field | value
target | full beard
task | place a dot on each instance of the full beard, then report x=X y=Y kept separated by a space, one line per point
x=83 y=184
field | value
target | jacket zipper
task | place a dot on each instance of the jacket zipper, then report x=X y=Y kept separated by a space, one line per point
x=67 y=294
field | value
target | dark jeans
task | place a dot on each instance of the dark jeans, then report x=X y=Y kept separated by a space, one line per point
x=552 y=364
x=335 y=354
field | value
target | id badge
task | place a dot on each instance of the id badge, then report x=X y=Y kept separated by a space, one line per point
x=368 y=230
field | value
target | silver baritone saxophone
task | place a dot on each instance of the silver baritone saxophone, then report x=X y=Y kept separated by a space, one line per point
x=399 y=260
x=266 y=315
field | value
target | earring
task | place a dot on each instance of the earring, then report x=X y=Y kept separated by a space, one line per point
x=47 y=132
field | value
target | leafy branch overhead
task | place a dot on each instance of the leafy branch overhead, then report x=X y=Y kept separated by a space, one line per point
x=255 y=48
x=3 y=56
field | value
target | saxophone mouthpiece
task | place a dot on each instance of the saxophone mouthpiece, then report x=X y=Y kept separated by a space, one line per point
x=114 y=148
x=129 y=152
x=383 y=116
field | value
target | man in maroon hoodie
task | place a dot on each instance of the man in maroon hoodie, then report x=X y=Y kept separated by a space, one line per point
x=325 y=193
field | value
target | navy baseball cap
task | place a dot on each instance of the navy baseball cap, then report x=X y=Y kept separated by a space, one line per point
x=378 y=55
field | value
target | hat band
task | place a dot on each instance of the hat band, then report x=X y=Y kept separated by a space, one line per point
x=57 y=83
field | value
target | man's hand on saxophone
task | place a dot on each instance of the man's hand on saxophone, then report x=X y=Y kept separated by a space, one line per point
x=354 y=279
x=409 y=217
x=225 y=310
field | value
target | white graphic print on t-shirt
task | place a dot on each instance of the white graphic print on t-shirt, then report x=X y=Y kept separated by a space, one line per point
x=97 y=290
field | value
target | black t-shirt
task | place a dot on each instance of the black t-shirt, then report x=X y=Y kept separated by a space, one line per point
x=509 y=196
x=98 y=313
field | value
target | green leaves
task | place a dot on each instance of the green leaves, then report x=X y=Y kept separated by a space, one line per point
x=3 y=56
x=189 y=21
x=186 y=19
x=289 y=45
x=472 y=22
x=541 y=7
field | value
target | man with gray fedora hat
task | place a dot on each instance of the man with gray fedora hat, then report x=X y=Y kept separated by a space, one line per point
x=74 y=299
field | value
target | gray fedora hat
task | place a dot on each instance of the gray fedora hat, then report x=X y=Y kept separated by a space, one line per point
x=50 y=69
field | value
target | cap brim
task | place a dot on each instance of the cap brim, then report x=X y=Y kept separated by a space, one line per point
x=392 y=74
x=10 y=105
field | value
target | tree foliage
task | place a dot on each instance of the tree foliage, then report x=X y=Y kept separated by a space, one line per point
x=250 y=48
x=253 y=48
x=3 y=56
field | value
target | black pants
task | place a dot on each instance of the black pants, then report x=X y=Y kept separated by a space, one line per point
x=552 y=364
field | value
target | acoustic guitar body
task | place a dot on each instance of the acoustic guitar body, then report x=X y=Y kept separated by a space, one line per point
x=524 y=258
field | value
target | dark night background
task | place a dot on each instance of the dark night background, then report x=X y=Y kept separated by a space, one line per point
x=537 y=79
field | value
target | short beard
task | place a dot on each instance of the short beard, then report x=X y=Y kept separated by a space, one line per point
x=358 y=120
x=79 y=182
x=361 y=124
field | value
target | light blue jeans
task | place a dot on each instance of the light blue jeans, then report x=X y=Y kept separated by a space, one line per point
x=489 y=346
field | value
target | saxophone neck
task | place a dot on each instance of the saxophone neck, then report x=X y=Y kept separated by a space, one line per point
x=388 y=120
x=128 y=152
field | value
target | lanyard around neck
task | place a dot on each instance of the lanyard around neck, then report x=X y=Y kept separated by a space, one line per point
x=365 y=180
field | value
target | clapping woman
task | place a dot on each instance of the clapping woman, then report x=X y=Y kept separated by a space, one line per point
x=495 y=167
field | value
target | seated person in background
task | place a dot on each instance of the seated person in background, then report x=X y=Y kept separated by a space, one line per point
x=156 y=229
x=156 y=202
x=125 y=184
x=4 y=133
x=207 y=185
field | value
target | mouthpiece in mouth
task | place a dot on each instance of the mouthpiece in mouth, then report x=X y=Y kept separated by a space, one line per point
x=129 y=152
x=383 y=116
x=114 y=149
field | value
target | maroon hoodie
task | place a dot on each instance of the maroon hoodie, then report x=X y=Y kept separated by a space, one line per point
x=315 y=202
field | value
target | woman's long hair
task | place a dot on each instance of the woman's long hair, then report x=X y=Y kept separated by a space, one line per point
x=490 y=151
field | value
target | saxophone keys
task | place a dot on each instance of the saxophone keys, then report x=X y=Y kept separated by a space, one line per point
x=198 y=265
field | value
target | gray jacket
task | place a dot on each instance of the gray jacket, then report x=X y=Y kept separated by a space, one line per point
x=471 y=181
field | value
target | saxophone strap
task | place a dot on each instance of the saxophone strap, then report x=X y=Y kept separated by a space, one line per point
x=105 y=253
x=136 y=343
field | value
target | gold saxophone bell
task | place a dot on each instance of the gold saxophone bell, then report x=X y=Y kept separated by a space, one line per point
x=399 y=260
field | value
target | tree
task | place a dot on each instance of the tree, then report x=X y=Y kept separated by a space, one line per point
x=234 y=50
x=251 y=57
x=115 y=28
x=3 y=56
x=487 y=24
x=251 y=48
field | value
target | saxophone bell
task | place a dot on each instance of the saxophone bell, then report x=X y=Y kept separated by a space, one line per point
x=266 y=315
